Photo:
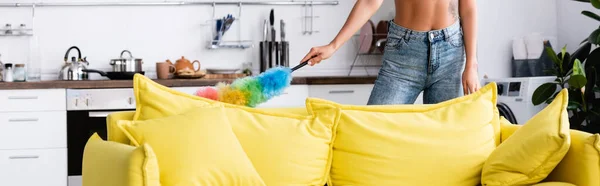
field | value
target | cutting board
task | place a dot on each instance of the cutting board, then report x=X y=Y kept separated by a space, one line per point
x=224 y=76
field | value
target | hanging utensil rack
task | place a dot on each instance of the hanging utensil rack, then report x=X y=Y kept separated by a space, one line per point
x=168 y=3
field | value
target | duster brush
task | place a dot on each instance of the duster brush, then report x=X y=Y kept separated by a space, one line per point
x=252 y=91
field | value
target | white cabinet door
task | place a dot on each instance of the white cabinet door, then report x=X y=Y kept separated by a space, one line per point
x=31 y=130
x=46 y=167
x=293 y=96
x=32 y=100
x=357 y=94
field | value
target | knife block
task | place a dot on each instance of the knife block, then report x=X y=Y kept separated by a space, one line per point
x=273 y=54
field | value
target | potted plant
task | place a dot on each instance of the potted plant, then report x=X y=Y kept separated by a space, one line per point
x=579 y=73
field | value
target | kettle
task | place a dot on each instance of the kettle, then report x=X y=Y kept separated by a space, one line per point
x=73 y=70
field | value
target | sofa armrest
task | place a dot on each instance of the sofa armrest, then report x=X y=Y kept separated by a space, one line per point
x=116 y=164
x=581 y=165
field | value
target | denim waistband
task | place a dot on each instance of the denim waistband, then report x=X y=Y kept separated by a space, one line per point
x=397 y=31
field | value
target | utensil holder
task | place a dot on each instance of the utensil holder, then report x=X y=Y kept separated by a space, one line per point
x=274 y=54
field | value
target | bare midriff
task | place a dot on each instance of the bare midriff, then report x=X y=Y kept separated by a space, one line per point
x=426 y=15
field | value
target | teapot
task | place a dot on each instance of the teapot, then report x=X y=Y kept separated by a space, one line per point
x=184 y=65
x=73 y=70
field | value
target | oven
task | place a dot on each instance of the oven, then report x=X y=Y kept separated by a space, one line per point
x=87 y=110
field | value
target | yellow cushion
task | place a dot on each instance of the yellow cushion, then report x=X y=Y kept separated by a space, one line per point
x=126 y=165
x=532 y=152
x=285 y=148
x=581 y=165
x=440 y=144
x=196 y=147
x=554 y=184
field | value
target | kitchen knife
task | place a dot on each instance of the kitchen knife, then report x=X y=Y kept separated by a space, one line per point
x=272 y=21
x=266 y=31
x=282 y=24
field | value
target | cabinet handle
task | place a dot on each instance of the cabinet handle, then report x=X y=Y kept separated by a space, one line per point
x=130 y=100
x=23 y=119
x=341 y=91
x=23 y=157
x=98 y=114
x=22 y=97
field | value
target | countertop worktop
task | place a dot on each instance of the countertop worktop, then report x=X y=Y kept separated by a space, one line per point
x=90 y=84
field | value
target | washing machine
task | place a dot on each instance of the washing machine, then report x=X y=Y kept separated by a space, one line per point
x=514 y=97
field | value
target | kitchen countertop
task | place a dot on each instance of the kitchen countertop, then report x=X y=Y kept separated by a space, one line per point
x=91 y=84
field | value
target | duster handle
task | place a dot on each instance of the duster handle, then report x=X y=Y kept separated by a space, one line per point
x=302 y=64
x=299 y=66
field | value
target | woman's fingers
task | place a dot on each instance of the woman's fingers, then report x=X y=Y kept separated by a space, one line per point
x=465 y=88
x=316 y=60
x=311 y=53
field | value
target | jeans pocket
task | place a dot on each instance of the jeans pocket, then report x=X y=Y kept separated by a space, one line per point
x=457 y=40
x=394 y=44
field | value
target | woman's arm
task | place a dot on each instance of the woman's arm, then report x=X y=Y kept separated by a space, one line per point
x=362 y=11
x=468 y=15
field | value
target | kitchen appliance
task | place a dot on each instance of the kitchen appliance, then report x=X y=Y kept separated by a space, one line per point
x=115 y=75
x=514 y=97
x=87 y=111
x=74 y=70
x=130 y=64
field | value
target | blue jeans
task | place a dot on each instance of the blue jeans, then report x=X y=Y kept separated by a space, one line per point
x=415 y=61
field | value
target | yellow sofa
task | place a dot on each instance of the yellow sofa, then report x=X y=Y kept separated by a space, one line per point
x=108 y=168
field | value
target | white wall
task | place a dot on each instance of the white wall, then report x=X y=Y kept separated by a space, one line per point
x=160 y=33
x=501 y=21
x=573 y=26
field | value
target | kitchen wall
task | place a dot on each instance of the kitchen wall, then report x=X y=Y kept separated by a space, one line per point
x=573 y=27
x=160 y=33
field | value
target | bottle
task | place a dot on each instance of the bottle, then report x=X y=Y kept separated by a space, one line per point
x=8 y=73
x=19 y=73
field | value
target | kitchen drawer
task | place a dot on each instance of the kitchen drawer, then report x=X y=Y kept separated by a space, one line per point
x=357 y=94
x=28 y=130
x=32 y=100
x=293 y=96
x=46 y=167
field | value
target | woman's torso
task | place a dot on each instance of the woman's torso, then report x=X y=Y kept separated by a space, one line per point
x=425 y=15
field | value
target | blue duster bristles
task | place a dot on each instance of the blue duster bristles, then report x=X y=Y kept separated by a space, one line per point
x=274 y=81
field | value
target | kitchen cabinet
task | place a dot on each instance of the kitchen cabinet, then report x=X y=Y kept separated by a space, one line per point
x=33 y=130
x=46 y=167
x=32 y=100
x=344 y=94
x=293 y=96
x=33 y=137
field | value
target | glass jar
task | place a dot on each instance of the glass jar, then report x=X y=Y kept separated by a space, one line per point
x=19 y=73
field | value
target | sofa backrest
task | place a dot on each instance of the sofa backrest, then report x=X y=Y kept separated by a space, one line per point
x=115 y=134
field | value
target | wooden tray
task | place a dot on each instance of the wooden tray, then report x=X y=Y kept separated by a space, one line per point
x=224 y=76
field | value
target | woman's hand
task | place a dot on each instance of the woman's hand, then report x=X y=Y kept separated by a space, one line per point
x=319 y=53
x=470 y=80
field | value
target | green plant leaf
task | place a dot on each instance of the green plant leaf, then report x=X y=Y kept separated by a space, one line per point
x=543 y=93
x=593 y=60
x=595 y=3
x=567 y=64
x=574 y=105
x=553 y=56
x=594 y=36
x=591 y=15
x=591 y=82
x=578 y=79
x=581 y=53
